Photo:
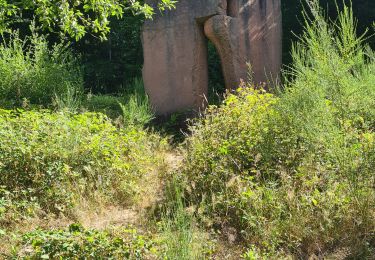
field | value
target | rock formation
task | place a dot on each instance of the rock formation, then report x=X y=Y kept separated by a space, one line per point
x=175 y=69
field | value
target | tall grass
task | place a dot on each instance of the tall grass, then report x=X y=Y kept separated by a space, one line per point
x=181 y=238
x=33 y=72
x=137 y=109
x=132 y=106
x=70 y=100
x=177 y=228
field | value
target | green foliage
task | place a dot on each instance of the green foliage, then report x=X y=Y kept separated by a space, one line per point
x=77 y=18
x=132 y=106
x=58 y=159
x=6 y=10
x=177 y=228
x=106 y=104
x=79 y=243
x=294 y=173
x=254 y=253
x=70 y=100
x=180 y=238
x=16 y=206
x=292 y=12
x=32 y=72
x=137 y=110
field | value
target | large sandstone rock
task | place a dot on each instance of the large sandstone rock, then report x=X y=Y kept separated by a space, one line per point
x=175 y=69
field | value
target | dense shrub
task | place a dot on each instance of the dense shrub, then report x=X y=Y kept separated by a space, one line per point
x=294 y=172
x=79 y=243
x=56 y=158
x=32 y=72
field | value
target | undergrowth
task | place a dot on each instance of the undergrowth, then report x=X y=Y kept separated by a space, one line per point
x=55 y=160
x=33 y=73
x=293 y=173
x=281 y=174
x=180 y=236
x=132 y=106
x=76 y=242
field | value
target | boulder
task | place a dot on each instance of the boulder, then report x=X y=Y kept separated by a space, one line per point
x=175 y=71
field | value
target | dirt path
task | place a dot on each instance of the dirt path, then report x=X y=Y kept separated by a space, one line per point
x=153 y=193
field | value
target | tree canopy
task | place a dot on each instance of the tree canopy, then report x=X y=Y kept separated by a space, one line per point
x=76 y=17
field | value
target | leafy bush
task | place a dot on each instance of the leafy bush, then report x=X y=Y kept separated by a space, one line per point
x=32 y=72
x=79 y=243
x=295 y=172
x=56 y=158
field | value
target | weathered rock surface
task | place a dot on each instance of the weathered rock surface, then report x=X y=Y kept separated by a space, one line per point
x=223 y=31
x=175 y=69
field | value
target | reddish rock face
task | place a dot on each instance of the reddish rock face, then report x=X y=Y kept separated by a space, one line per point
x=175 y=69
